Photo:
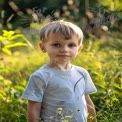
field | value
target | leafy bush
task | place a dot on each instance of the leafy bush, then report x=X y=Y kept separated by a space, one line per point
x=100 y=57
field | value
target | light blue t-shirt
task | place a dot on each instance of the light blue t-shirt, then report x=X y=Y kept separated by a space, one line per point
x=61 y=92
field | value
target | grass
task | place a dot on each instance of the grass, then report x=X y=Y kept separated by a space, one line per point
x=102 y=58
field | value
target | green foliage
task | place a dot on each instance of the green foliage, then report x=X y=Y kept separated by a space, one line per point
x=11 y=106
x=101 y=55
x=9 y=40
x=112 y=5
x=103 y=63
x=10 y=102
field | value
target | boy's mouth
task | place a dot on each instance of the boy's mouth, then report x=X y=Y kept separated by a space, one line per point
x=63 y=55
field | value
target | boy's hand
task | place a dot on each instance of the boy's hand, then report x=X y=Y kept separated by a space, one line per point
x=34 y=109
x=91 y=108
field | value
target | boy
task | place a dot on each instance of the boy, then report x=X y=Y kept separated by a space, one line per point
x=59 y=90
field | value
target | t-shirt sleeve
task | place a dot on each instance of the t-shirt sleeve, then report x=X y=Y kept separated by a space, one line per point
x=35 y=89
x=89 y=85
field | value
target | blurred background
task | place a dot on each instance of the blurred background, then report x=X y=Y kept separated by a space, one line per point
x=101 y=22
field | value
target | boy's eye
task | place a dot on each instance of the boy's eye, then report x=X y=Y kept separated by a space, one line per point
x=72 y=45
x=56 y=45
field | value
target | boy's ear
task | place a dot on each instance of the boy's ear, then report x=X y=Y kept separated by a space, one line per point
x=79 y=49
x=42 y=47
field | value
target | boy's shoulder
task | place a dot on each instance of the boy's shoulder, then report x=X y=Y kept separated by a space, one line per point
x=82 y=71
x=44 y=72
x=79 y=68
x=39 y=72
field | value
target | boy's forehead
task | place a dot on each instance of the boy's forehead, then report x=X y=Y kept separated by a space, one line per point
x=57 y=37
x=60 y=36
x=54 y=35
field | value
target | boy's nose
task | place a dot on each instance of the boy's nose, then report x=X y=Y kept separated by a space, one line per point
x=64 y=49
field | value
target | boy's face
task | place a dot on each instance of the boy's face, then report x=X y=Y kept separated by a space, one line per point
x=59 y=49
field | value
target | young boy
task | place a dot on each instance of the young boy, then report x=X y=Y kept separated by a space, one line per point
x=59 y=90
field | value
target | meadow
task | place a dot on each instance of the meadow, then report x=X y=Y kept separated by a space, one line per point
x=20 y=56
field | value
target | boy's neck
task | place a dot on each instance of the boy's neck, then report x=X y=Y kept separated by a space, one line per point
x=66 y=66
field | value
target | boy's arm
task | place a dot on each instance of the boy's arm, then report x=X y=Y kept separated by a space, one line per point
x=91 y=108
x=34 y=109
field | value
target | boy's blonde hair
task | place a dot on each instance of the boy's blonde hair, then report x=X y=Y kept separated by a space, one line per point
x=66 y=29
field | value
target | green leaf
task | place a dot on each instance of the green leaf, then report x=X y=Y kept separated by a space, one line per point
x=101 y=85
x=2 y=95
x=1 y=77
x=7 y=51
x=19 y=88
x=22 y=117
x=15 y=37
x=2 y=38
x=15 y=45
x=2 y=68
x=8 y=33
